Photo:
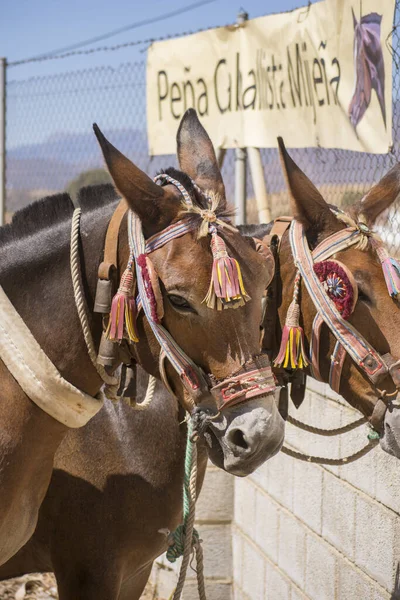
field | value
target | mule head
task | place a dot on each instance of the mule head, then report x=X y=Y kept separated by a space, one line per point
x=376 y=315
x=220 y=342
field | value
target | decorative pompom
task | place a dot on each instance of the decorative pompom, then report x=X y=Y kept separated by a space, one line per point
x=292 y=354
x=337 y=285
x=142 y=263
x=123 y=311
x=226 y=286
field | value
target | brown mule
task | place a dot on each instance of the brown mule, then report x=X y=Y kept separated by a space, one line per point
x=117 y=484
x=376 y=315
x=34 y=273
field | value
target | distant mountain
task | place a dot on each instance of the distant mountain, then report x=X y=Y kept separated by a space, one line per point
x=50 y=165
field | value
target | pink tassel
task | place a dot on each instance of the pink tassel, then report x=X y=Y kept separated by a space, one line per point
x=123 y=311
x=226 y=286
x=142 y=263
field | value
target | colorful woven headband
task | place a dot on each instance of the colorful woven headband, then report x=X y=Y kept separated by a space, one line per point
x=226 y=288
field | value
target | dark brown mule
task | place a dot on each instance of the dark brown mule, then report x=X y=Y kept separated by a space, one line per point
x=117 y=484
x=376 y=315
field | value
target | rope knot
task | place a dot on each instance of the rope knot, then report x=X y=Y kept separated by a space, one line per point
x=176 y=543
x=208 y=215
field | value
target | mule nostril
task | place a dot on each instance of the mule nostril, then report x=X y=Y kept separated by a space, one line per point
x=237 y=438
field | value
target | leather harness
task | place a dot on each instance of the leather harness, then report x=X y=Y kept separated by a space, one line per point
x=298 y=377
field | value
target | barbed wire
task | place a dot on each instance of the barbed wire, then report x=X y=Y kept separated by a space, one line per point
x=147 y=41
x=108 y=34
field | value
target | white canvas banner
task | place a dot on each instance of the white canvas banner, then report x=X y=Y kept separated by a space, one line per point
x=317 y=76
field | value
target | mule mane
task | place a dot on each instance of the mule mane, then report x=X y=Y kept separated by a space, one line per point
x=58 y=208
x=41 y=214
x=53 y=210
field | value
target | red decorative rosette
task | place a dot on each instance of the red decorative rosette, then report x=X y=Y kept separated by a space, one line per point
x=337 y=285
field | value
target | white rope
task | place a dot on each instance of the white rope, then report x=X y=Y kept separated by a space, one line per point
x=151 y=386
x=326 y=432
x=80 y=301
x=322 y=460
x=110 y=381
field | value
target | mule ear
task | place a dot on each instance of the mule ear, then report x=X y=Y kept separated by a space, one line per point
x=354 y=18
x=153 y=204
x=307 y=204
x=196 y=154
x=380 y=197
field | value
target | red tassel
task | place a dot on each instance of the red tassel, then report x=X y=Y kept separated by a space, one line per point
x=123 y=311
x=226 y=286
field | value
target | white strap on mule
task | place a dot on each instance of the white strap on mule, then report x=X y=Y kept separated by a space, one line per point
x=36 y=374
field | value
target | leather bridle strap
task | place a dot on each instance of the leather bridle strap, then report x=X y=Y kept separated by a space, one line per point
x=337 y=362
x=355 y=345
x=280 y=226
x=314 y=347
x=110 y=258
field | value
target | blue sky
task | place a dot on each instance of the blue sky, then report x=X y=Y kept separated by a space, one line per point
x=32 y=27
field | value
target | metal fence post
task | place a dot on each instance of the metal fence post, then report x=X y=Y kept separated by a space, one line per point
x=240 y=159
x=3 y=67
x=260 y=189
x=240 y=185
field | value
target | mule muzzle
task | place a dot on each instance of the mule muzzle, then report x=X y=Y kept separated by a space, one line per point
x=255 y=379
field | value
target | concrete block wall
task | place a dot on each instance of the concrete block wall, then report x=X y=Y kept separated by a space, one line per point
x=298 y=531
x=303 y=531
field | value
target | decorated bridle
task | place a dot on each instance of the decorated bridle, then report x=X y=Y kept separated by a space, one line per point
x=333 y=292
x=226 y=290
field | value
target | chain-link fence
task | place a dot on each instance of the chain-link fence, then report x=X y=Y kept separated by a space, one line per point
x=51 y=146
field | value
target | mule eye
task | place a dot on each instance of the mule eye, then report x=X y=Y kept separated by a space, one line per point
x=363 y=296
x=180 y=303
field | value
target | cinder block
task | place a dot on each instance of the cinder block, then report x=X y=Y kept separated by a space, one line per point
x=352 y=583
x=267 y=525
x=217 y=548
x=280 y=479
x=216 y=499
x=379 y=594
x=327 y=414
x=338 y=510
x=329 y=393
x=277 y=587
x=320 y=570
x=237 y=556
x=295 y=594
x=260 y=476
x=313 y=385
x=215 y=591
x=253 y=572
x=307 y=494
x=238 y=594
x=361 y=473
x=377 y=541
x=387 y=484
x=164 y=577
x=292 y=548
x=323 y=413
x=245 y=506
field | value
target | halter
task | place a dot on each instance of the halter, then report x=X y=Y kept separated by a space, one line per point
x=349 y=341
x=226 y=290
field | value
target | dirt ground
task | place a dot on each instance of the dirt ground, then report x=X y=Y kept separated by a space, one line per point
x=41 y=587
